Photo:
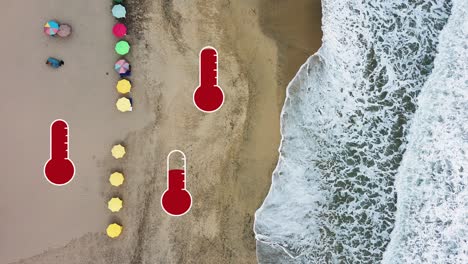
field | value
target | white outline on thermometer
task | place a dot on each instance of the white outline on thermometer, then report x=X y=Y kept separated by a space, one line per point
x=185 y=181
x=199 y=79
x=68 y=153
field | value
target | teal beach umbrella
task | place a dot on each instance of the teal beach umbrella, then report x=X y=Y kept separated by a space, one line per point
x=122 y=47
x=119 y=11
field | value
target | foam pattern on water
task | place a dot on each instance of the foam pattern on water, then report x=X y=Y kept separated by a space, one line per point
x=344 y=126
x=432 y=182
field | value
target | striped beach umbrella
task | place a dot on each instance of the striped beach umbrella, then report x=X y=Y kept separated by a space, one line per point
x=119 y=11
x=51 y=28
x=122 y=66
x=119 y=30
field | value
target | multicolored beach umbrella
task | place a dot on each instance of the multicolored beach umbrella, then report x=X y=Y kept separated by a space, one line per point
x=114 y=230
x=119 y=30
x=119 y=11
x=51 y=28
x=122 y=66
x=122 y=47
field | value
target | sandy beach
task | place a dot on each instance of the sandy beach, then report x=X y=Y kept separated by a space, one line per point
x=230 y=153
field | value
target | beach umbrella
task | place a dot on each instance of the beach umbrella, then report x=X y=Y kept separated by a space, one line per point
x=119 y=30
x=115 y=204
x=118 y=1
x=114 y=230
x=124 y=104
x=51 y=27
x=64 y=30
x=116 y=179
x=122 y=66
x=118 y=151
x=122 y=47
x=118 y=11
x=124 y=86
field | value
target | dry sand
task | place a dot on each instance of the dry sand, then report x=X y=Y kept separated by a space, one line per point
x=35 y=215
x=231 y=153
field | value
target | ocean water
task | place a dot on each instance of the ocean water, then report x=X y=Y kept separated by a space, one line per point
x=432 y=182
x=373 y=140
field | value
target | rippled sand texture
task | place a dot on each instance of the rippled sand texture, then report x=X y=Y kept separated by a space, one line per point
x=231 y=153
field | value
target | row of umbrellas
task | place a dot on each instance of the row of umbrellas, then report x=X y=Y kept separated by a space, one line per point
x=122 y=67
x=53 y=28
x=120 y=30
x=123 y=104
x=115 y=204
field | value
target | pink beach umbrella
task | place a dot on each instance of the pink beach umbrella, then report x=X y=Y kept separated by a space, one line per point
x=64 y=30
x=119 y=30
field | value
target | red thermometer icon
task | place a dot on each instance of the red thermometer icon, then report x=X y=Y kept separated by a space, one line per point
x=208 y=97
x=59 y=170
x=176 y=200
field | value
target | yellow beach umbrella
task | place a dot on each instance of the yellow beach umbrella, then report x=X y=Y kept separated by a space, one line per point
x=115 y=204
x=124 y=86
x=124 y=104
x=118 y=151
x=114 y=230
x=116 y=179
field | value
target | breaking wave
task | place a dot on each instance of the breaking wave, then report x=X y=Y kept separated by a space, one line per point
x=345 y=129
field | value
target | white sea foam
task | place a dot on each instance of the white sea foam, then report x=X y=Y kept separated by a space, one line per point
x=432 y=182
x=344 y=126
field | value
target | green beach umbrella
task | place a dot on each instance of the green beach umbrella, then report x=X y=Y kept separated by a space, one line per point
x=118 y=11
x=122 y=47
x=118 y=1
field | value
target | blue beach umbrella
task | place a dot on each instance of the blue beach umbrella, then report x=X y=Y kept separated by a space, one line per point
x=119 y=11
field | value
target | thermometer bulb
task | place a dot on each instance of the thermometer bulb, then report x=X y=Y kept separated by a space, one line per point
x=59 y=169
x=208 y=97
x=176 y=200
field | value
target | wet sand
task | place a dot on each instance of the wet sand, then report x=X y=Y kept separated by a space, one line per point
x=230 y=153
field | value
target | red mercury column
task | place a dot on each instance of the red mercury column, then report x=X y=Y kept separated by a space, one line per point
x=176 y=200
